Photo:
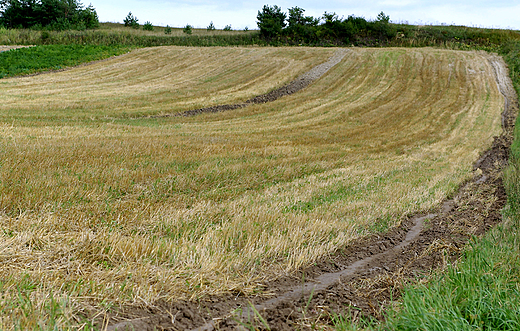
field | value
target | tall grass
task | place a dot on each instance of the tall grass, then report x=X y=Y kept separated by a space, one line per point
x=128 y=37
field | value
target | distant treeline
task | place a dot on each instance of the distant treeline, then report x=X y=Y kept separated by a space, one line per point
x=47 y=14
x=296 y=28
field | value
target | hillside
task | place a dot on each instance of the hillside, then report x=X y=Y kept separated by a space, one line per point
x=120 y=207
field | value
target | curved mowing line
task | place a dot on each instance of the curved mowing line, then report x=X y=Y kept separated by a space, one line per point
x=296 y=85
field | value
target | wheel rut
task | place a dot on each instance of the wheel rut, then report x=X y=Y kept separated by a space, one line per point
x=365 y=276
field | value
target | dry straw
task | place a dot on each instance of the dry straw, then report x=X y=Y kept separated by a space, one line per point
x=103 y=207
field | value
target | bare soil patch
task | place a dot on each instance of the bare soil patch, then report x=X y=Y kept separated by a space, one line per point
x=364 y=277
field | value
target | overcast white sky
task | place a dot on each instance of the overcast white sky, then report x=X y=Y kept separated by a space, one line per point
x=239 y=14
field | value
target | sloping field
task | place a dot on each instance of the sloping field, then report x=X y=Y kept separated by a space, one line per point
x=102 y=206
x=152 y=81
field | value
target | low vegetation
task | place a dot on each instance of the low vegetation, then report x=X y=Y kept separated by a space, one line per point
x=103 y=204
x=112 y=34
x=482 y=290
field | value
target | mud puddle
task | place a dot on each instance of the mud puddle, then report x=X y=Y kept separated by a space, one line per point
x=363 y=278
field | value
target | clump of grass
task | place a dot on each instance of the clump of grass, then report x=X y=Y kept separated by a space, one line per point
x=35 y=59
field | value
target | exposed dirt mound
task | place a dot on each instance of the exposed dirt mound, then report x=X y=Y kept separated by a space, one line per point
x=362 y=278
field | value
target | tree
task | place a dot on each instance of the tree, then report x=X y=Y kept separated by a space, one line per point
x=131 y=21
x=381 y=17
x=271 y=21
x=148 y=26
x=300 y=25
x=55 y=14
x=211 y=27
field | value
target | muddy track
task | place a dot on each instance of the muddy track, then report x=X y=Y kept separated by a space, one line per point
x=362 y=278
x=296 y=85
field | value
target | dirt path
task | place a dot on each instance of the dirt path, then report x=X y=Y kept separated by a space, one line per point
x=364 y=277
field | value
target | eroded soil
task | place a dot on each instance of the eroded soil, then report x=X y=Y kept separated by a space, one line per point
x=364 y=277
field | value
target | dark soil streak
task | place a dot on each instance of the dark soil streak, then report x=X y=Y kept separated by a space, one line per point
x=296 y=85
x=362 y=278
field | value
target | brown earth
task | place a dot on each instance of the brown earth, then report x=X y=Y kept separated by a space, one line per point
x=363 y=278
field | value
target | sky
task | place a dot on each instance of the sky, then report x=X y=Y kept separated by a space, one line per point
x=503 y=14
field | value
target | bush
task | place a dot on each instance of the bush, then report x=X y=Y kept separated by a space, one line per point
x=148 y=26
x=187 y=29
x=167 y=30
x=211 y=27
x=227 y=28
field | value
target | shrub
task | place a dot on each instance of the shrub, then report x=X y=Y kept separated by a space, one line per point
x=211 y=27
x=187 y=29
x=227 y=28
x=148 y=26
x=167 y=30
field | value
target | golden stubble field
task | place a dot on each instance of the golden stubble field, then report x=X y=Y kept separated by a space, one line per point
x=102 y=205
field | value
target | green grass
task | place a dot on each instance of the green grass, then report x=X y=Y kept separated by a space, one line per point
x=31 y=60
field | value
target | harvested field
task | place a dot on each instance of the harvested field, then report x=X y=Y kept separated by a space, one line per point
x=102 y=205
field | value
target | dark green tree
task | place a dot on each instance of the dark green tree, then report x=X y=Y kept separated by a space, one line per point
x=131 y=21
x=271 y=21
x=148 y=26
x=56 y=14
x=301 y=26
